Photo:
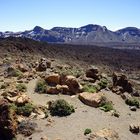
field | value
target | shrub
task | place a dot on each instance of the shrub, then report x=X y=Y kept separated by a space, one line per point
x=21 y=87
x=41 y=86
x=13 y=107
x=132 y=102
x=87 y=131
x=103 y=83
x=107 y=106
x=25 y=110
x=89 y=88
x=15 y=73
x=61 y=108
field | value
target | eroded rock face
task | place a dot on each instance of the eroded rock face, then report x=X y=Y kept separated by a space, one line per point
x=104 y=134
x=93 y=72
x=91 y=99
x=120 y=80
x=8 y=124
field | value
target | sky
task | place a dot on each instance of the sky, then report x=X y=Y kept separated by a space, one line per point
x=20 y=15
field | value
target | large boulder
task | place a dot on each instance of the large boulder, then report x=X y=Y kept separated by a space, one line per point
x=122 y=81
x=72 y=83
x=8 y=124
x=53 y=79
x=104 y=134
x=64 y=89
x=52 y=90
x=91 y=99
x=43 y=64
x=93 y=72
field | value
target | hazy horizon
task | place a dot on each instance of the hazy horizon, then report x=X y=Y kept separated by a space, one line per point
x=25 y=15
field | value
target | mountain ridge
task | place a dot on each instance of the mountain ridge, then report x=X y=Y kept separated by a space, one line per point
x=88 y=35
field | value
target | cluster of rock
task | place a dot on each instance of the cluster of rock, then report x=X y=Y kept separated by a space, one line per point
x=56 y=84
x=65 y=84
x=121 y=84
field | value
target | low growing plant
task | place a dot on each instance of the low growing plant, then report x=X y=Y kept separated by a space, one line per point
x=132 y=102
x=103 y=83
x=25 y=110
x=41 y=86
x=107 y=106
x=87 y=131
x=21 y=87
x=89 y=88
x=61 y=108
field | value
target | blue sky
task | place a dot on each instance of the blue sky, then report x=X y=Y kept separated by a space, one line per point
x=18 y=15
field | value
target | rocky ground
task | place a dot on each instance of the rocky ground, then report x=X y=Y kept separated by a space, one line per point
x=48 y=98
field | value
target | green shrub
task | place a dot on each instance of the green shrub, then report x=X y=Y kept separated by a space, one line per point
x=41 y=86
x=89 y=88
x=103 y=83
x=70 y=71
x=15 y=72
x=21 y=87
x=25 y=110
x=61 y=108
x=87 y=131
x=13 y=107
x=107 y=106
x=132 y=102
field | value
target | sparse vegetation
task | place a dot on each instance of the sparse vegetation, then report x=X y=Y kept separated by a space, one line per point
x=61 y=108
x=89 y=88
x=132 y=102
x=41 y=86
x=87 y=131
x=103 y=83
x=71 y=71
x=107 y=106
x=14 y=72
x=25 y=110
x=21 y=87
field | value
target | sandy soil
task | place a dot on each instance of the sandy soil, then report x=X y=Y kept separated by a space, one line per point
x=73 y=126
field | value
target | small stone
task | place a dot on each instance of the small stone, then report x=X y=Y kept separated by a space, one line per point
x=133 y=108
x=134 y=128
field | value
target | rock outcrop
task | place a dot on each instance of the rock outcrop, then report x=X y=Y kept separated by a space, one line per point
x=121 y=83
x=93 y=72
